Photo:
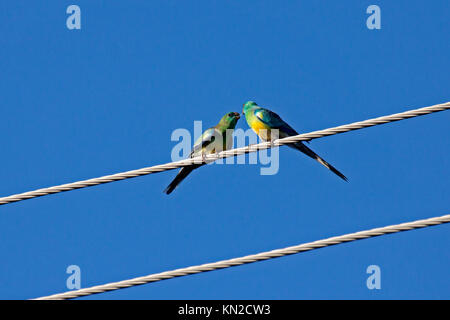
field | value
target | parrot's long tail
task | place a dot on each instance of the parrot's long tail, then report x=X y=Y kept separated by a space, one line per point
x=182 y=174
x=300 y=146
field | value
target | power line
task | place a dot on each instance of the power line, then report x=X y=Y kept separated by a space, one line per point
x=225 y=154
x=250 y=258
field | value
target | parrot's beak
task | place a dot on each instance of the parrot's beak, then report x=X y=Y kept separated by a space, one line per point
x=238 y=116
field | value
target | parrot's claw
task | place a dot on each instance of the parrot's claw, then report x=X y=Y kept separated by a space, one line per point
x=272 y=143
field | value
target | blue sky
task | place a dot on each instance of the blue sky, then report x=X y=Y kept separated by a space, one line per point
x=78 y=104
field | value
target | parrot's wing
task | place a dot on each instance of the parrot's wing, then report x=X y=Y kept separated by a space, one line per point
x=203 y=141
x=274 y=121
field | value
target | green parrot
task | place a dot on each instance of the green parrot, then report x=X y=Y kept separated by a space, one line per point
x=215 y=139
x=262 y=121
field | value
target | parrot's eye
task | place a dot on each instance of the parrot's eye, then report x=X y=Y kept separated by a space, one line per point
x=231 y=114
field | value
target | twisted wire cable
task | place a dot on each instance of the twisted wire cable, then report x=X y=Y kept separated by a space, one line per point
x=225 y=154
x=250 y=258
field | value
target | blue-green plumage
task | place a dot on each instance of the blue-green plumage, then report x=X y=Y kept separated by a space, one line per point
x=264 y=121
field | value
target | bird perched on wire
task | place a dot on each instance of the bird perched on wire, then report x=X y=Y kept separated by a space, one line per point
x=213 y=140
x=264 y=121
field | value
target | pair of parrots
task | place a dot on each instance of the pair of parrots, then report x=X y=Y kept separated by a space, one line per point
x=261 y=120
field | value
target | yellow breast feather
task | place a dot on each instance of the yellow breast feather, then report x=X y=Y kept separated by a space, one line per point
x=261 y=129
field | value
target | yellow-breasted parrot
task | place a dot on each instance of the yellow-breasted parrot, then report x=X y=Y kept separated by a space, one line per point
x=262 y=121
